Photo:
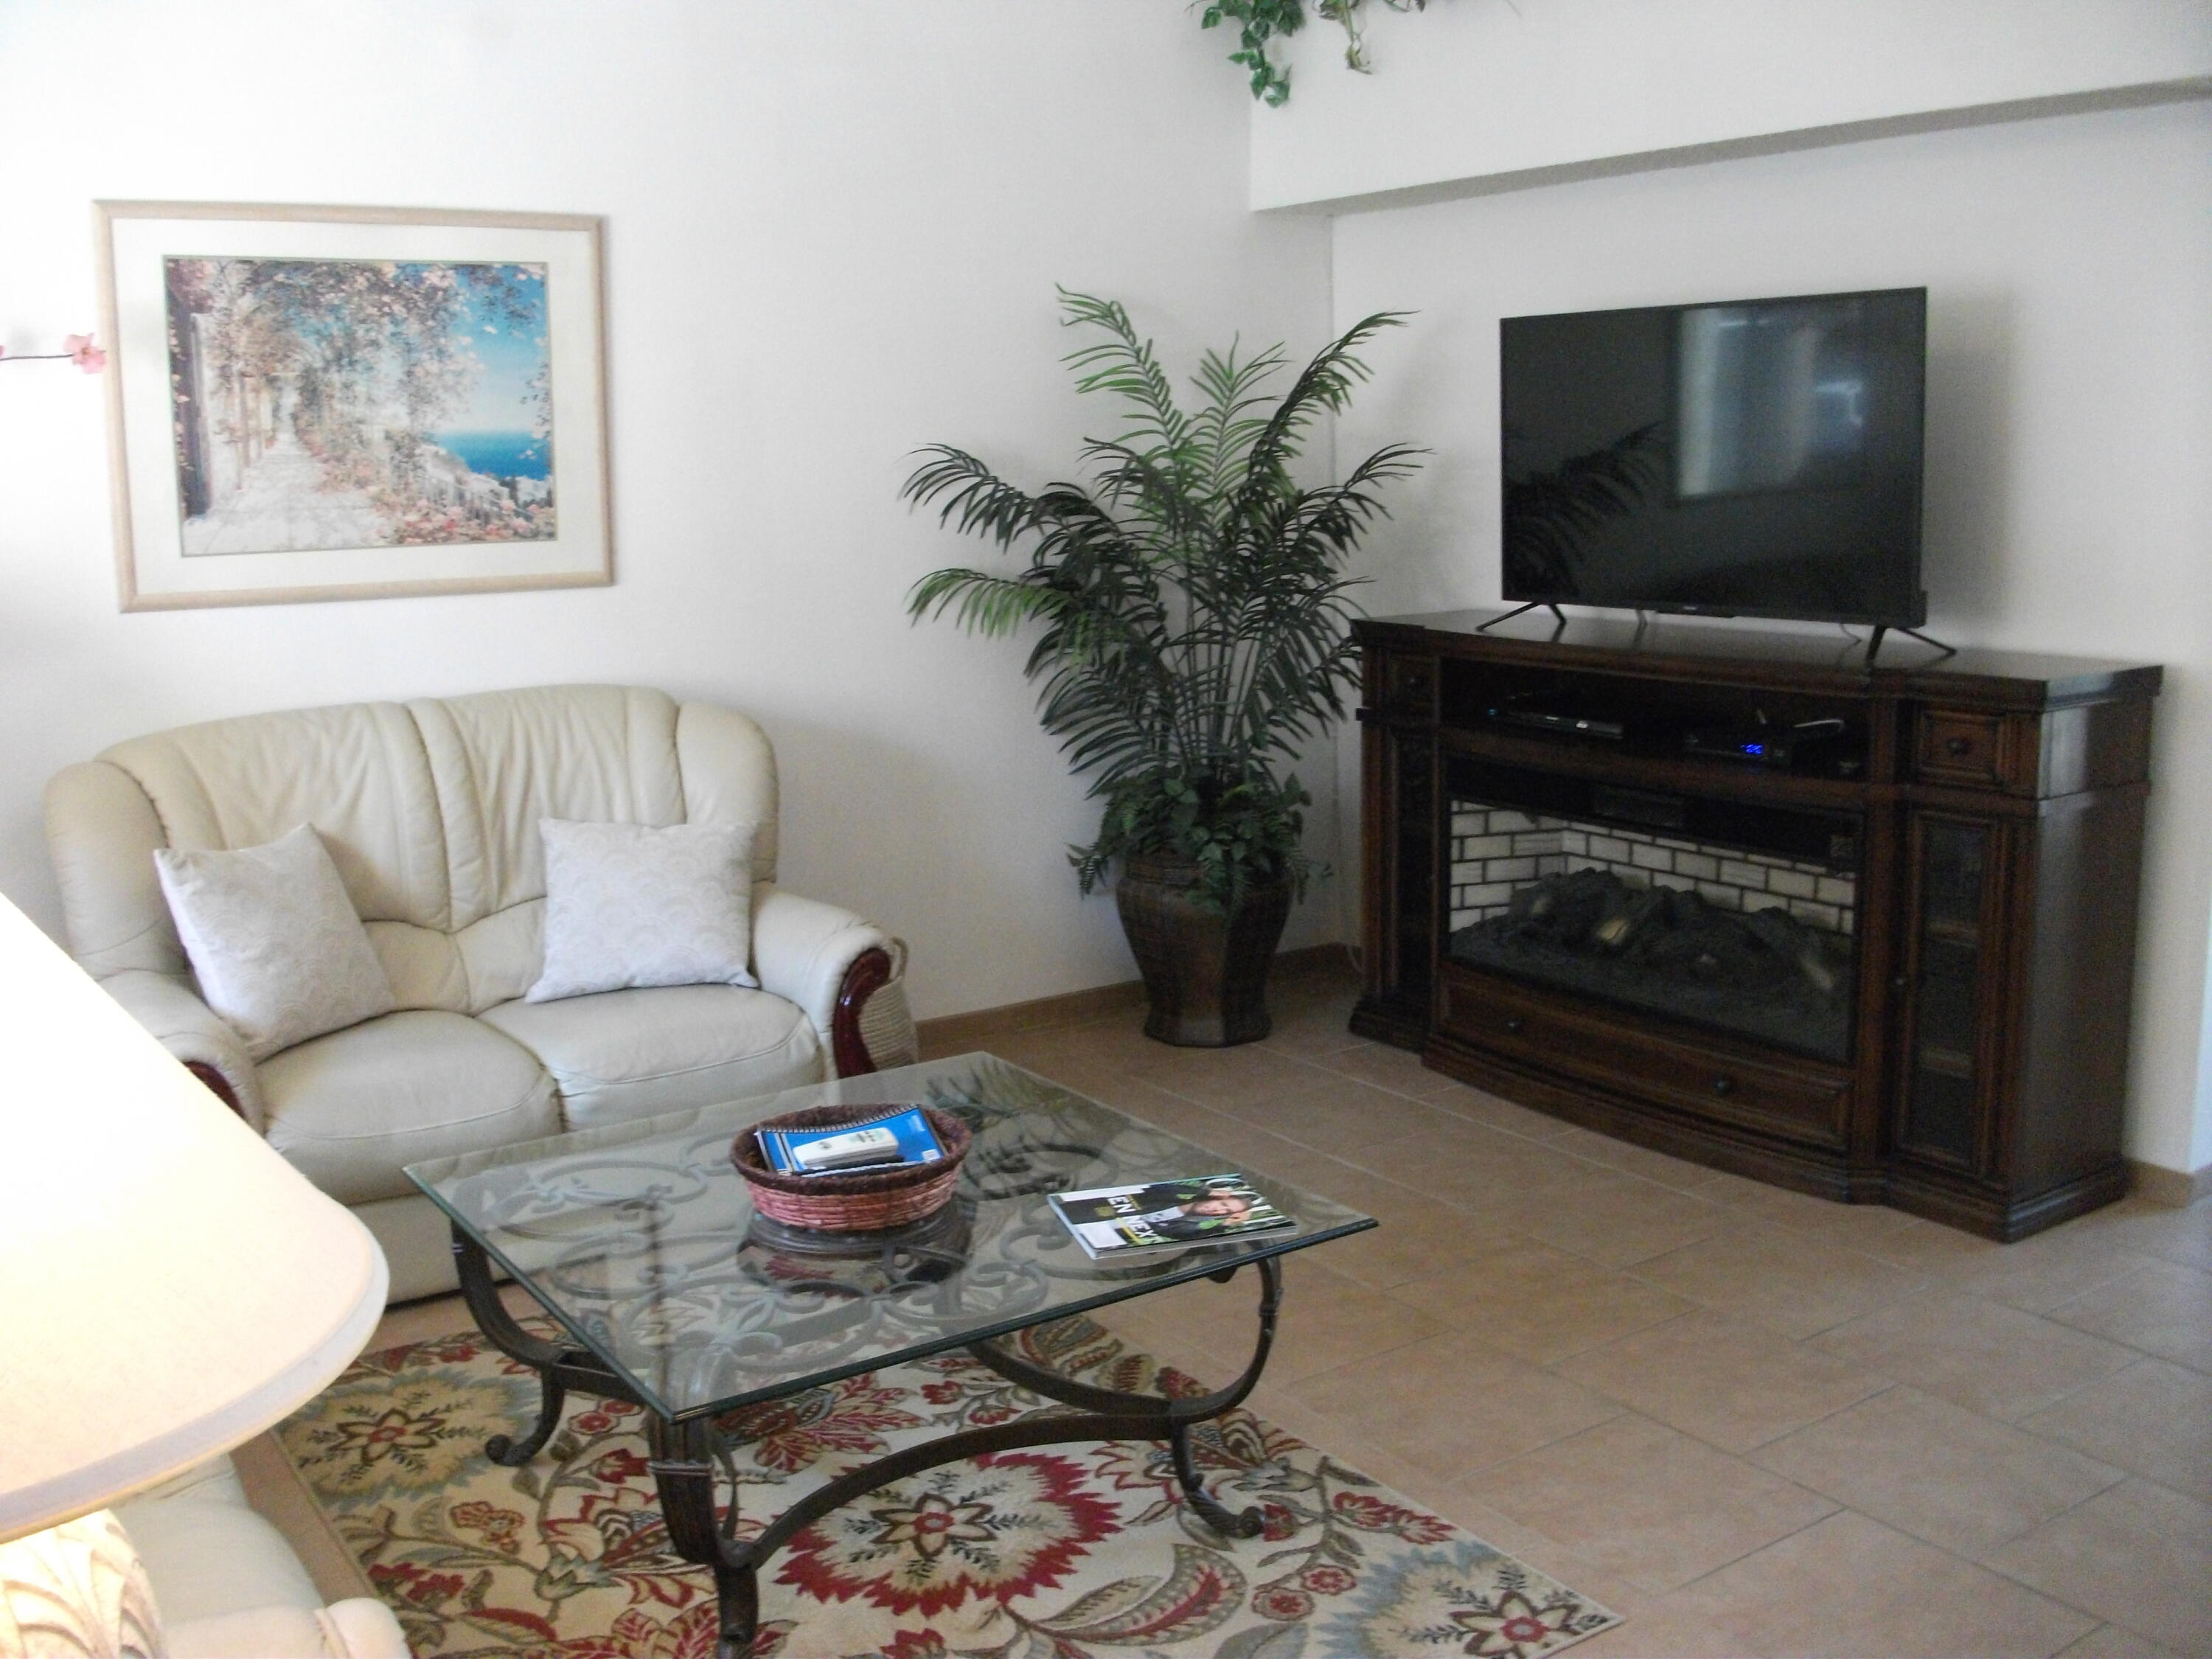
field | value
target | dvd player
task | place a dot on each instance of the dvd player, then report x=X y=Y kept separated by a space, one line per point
x=1755 y=748
x=1547 y=720
x=1780 y=747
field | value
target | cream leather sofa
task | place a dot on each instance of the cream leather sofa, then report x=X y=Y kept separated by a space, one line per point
x=430 y=810
x=227 y=1586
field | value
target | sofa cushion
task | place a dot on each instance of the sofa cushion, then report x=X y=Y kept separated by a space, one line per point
x=424 y=966
x=417 y=1242
x=357 y=773
x=352 y=1109
x=274 y=940
x=503 y=760
x=502 y=954
x=625 y=1055
x=630 y=905
x=729 y=776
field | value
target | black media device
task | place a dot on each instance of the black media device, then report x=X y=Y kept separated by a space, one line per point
x=1551 y=719
x=1754 y=458
x=1779 y=747
x=1554 y=711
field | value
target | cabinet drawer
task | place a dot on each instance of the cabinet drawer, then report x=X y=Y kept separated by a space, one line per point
x=1952 y=746
x=1804 y=1102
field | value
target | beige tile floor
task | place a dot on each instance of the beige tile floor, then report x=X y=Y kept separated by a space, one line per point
x=1752 y=1422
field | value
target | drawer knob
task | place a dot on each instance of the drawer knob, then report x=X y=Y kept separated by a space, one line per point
x=1725 y=1084
x=1957 y=745
x=1513 y=1024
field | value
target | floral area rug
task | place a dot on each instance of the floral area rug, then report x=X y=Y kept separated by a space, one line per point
x=1077 y=1551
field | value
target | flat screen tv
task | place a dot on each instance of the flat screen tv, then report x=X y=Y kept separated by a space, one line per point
x=1756 y=457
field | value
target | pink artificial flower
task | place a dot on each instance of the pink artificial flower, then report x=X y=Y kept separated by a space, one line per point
x=85 y=355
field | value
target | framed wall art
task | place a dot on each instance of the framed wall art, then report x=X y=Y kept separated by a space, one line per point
x=325 y=402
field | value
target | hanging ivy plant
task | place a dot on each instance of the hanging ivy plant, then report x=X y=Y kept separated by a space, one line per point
x=1260 y=22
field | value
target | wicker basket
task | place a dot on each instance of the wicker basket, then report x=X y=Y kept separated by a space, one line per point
x=853 y=1203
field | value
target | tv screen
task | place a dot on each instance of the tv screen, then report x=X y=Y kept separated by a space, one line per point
x=1756 y=457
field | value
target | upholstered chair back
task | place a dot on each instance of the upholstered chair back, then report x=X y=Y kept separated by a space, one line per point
x=430 y=810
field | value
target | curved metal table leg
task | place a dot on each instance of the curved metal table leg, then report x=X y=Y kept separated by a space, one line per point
x=559 y=1368
x=514 y=1453
x=681 y=1458
x=1247 y=1522
x=682 y=1451
x=1176 y=1417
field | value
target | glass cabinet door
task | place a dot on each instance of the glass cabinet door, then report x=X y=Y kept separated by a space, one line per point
x=1413 y=909
x=1954 y=865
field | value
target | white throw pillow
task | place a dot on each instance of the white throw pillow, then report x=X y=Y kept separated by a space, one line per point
x=274 y=940
x=627 y=905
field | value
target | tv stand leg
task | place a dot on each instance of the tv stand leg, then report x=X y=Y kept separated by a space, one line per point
x=1523 y=611
x=1873 y=640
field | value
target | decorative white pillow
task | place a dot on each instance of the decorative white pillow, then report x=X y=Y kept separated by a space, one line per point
x=274 y=940
x=627 y=904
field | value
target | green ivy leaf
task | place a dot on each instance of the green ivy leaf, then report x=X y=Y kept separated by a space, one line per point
x=1260 y=20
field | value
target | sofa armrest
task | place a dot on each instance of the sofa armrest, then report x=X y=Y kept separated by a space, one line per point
x=356 y=1628
x=364 y=1629
x=165 y=1006
x=228 y=1586
x=834 y=965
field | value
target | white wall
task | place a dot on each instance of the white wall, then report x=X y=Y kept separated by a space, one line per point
x=2068 y=263
x=1471 y=93
x=833 y=233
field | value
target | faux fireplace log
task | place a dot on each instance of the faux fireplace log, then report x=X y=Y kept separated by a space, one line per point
x=1896 y=969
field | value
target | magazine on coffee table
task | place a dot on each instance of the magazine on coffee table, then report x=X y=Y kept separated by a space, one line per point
x=1114 y=1221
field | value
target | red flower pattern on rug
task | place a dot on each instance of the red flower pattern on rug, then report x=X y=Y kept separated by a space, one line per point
x=852 y=1415
x=1077 y=1551
x=999 y=1526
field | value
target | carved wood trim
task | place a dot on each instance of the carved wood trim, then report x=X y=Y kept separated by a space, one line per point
x=870 y=972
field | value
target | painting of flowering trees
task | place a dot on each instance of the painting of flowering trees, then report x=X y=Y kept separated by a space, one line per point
x=317 y=403
x=348 y=403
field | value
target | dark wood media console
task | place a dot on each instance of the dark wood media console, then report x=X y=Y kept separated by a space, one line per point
x=1951 y=861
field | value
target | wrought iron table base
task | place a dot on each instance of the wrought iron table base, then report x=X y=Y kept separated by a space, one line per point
x=682 y=1449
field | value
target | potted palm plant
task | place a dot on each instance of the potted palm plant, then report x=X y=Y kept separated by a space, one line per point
x=1195 y=616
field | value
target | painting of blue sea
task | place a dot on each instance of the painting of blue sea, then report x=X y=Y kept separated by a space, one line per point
x=501 y=454
x=358 y=403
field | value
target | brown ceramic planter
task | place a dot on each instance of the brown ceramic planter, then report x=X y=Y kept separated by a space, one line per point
x=1206 y=974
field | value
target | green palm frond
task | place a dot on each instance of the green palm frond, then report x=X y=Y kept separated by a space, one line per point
x=1126 y=365
x=1325 y=385
x=1193 y=613
x=1227 y=429
x=981 y=603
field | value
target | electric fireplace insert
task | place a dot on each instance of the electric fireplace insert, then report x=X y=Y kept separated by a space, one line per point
x=1734 y=916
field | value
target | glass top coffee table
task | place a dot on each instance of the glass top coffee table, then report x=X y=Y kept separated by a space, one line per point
x=640 y=1240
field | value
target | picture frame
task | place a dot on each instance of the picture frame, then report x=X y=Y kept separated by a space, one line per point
x=333 y=402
